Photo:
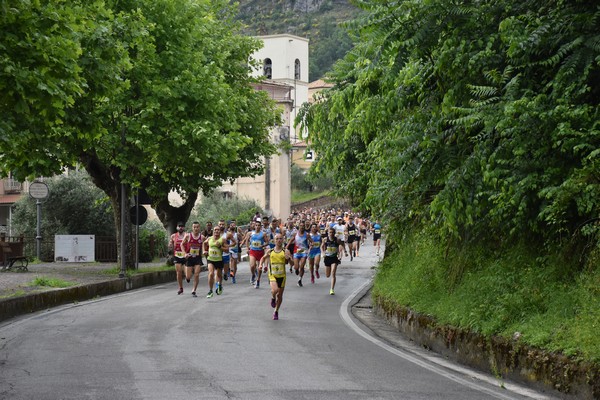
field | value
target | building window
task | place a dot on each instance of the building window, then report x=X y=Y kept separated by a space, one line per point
x=268 y=68
x=297 y=69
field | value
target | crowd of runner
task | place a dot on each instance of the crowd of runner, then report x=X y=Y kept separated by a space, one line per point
x=272 y=245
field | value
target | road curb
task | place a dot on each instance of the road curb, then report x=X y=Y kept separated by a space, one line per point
x=29 y=303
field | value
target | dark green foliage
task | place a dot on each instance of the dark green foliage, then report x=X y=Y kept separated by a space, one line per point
x=299 y=181
x=155 y=229
x=479 y=118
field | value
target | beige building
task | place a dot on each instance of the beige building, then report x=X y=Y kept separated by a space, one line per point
x=272 y=190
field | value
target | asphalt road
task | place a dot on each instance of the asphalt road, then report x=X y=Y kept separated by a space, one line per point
x=153 y=344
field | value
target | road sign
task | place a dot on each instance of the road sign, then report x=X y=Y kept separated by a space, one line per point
x=143 y=214
x=38 y=190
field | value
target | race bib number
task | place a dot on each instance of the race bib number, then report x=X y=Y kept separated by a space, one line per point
x=179 y=254
x=278 y=269
x=331 y=251
x=352 y=233
x=300 y=250
x=256 y=243
x=214 y=253
x=195 y=251
x=316 y=245
x=377 y=231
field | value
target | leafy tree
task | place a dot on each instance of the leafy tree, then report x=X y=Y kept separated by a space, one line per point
x=161 y=99
x=480 y=118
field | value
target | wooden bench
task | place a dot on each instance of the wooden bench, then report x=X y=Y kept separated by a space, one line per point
x=22 y=261
x=12 y=256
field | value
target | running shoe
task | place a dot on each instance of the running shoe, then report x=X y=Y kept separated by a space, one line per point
x=275 y=316
x=180 y=290
x=300 y=282
x=312 y=279
x=331 y=292
x=210 y=294
x=297 y=272
x=273 y=303
x=194 y=294
x=187 y=280
x=257 y=285
x=225 y=277
x=219 y=289
x=350 y=256
x=317 y=273
x=290 y=270
x=233 y=279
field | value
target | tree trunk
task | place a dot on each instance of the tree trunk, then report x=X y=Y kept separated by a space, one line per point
x=169 y=215
x=129 y=236
x=107 y=179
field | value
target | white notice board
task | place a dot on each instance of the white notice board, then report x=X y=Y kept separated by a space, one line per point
x=74 y=248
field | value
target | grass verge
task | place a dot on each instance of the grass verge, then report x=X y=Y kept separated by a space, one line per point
x=16 y=293
x=50 y=282
x=142 y=270
x=516 y=290
x=301 y=196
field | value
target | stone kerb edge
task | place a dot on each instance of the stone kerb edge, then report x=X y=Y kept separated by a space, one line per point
x=16 y=306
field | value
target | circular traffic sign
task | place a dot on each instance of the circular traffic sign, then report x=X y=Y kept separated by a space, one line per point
x=143 y=214
x=38 y=190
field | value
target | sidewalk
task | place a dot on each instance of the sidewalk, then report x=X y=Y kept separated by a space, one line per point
x=18 y=296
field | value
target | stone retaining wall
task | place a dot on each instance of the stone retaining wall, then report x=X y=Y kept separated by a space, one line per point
x=325 y=202
x=502 y=357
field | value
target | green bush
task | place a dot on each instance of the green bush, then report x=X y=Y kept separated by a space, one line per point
x=155 y=229
x=216 y=207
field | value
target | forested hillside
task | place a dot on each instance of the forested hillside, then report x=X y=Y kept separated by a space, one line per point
x=316 y=20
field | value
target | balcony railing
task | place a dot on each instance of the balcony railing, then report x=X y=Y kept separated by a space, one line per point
x=12 y=186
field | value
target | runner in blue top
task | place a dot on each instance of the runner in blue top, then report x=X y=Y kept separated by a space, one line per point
x=377 y=235
x=314 y=255
x=301 y=243
x=256 y=241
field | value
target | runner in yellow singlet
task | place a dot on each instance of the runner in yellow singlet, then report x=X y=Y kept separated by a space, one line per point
x=276 y=260
x=214 y=247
